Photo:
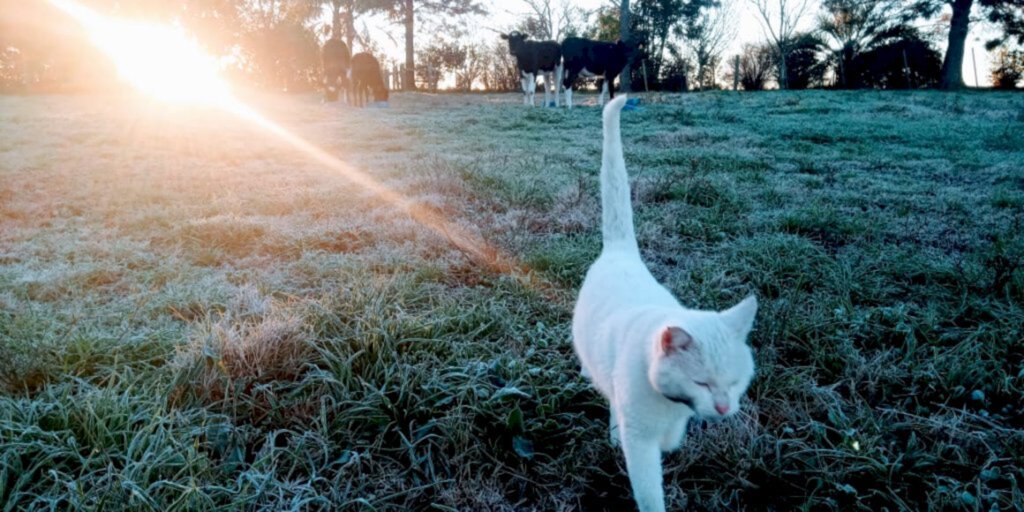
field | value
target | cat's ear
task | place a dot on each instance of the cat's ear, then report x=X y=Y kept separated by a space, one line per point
x=740 y=318
x=675 y=339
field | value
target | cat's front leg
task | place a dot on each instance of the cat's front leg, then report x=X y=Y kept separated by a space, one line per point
x=675 y=435
x=643 y=462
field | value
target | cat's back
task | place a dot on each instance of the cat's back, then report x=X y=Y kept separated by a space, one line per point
x=617 y=287
x=623 y=280
x=619 y=294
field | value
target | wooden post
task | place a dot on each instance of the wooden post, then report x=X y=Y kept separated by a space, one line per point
x=643 y=67
x=974 y=60
x=736 y=73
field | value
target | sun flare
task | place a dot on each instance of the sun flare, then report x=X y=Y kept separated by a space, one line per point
x=161 y=61
x=158 y=60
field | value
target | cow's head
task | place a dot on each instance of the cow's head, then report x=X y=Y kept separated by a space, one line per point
x=515 y=41
x=631 y=49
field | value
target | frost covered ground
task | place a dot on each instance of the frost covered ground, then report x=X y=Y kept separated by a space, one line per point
x=194 y=315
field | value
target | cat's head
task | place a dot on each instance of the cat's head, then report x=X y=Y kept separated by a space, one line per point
x=706 y=363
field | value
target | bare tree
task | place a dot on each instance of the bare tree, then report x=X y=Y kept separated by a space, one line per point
x=556 y=18
x=470 y=67
x=779 y=20
x=499 y=73
x=710 y=33
x=756 y=62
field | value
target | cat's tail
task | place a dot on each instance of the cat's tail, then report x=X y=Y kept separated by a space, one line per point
x=616 y=208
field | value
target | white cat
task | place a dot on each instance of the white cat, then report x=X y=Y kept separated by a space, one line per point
x=657 y=362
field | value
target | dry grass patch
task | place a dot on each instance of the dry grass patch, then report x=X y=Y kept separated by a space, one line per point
x=256 y=340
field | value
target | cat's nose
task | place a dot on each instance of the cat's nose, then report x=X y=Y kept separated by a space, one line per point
x=722 y=409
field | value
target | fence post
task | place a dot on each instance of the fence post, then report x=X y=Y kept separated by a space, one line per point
x=736 y=73
x=974 y=60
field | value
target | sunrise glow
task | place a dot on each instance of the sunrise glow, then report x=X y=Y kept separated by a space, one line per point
x=158 y=60
x=162 y=62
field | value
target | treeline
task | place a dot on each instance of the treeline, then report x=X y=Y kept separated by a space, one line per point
x=890 y=44
x=275 y=43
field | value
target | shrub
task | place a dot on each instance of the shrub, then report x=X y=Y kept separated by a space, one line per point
x=756 y=63
x=1008 y=69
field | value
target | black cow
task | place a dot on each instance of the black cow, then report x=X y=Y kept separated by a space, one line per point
x=533 y=58
x=336 y=62
x=595 y=58
x=367 y=79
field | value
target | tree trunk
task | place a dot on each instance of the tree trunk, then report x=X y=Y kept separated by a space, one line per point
x=953 y=64
x=842 y=66
x=783 y=72
x=624 y=35
x=350 y=28
x=410 y=58
x=336 y=20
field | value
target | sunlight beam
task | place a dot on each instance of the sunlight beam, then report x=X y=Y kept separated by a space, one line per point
x=161 y=61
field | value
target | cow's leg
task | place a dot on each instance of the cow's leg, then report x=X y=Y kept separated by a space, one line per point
x=346 y=94
x=346 y=86
x=559 y=75
x=548 y=75
x=524 y=79
x=611 y=87
x=532 y=94
x=570 y=79
x=604 y=89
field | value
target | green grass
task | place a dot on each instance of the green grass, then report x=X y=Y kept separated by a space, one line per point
x=194 y=316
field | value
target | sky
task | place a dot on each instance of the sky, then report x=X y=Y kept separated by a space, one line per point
x=503 y=14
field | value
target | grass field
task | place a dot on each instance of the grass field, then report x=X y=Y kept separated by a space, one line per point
x=195 y=316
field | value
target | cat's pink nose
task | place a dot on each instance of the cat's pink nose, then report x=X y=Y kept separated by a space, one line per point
x=722 y=409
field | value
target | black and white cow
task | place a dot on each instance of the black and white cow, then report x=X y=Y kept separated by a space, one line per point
x=366 y=79
x=336 y=62
x=533 y=58
x=587 y=57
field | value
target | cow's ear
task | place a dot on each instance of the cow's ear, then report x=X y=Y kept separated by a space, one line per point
x=504 y=36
